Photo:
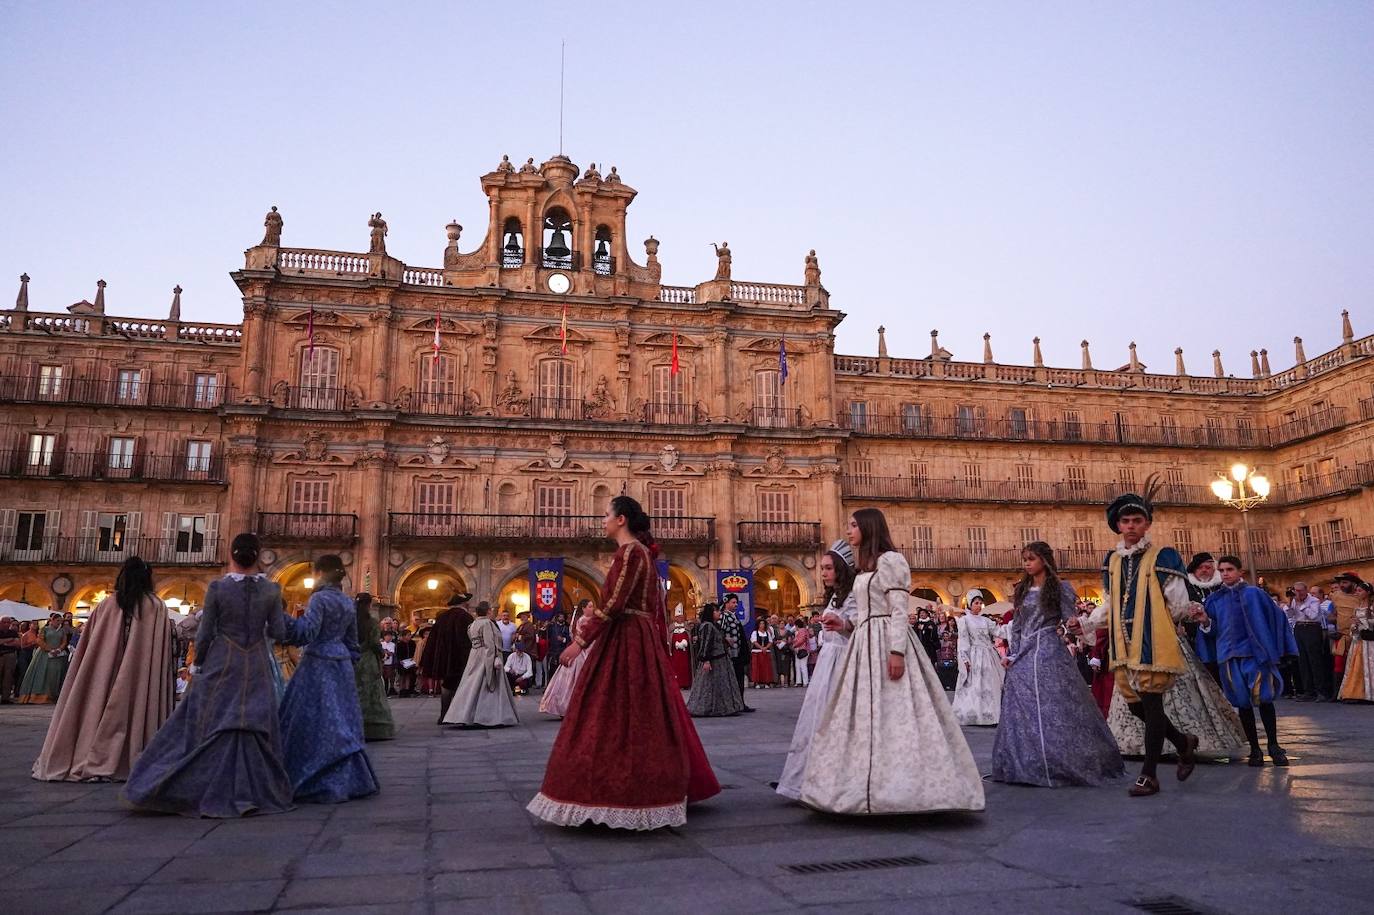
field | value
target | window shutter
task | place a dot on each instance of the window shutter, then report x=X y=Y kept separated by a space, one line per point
x=53 y=524
x=133 y=528
x=86 y=542
x=136 y=471
x=8 y=517
x=167 y=544
x=59 y=453
x=211 y=537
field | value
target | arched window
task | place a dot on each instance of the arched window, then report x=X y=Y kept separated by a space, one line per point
x=513 y=247
x=319 y=387
x=437 y=388
x=556 y=396
x=770 y=405
x=602 y=260
x=558 y=240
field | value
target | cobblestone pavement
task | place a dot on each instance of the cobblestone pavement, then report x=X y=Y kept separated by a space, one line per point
x=449 y=833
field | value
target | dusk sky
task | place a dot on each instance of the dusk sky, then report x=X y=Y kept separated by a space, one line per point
x=1193 y=174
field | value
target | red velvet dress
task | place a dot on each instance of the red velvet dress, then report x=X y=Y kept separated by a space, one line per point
x=681 y=658
x=627 y=755
x=1104 y=682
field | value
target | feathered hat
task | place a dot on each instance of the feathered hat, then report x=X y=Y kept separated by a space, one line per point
x=1141 y=503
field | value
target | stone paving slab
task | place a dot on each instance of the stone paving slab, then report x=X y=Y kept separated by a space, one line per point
x=449 y=833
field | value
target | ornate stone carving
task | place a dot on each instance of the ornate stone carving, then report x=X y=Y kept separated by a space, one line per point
x=601 y=403
x=438 y=450
x=273 y=222
x=775 y=461
x=668 y=458
x=506 y=167
x=529 y=167
x=316 y=446
x=556 y=453
x=722 y=260
x=378 y=226
x=512 y=399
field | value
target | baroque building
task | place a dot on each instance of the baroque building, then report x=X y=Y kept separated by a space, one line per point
x=439 y=426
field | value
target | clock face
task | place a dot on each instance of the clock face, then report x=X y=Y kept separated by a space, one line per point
x=559 y=284
x=61 y=584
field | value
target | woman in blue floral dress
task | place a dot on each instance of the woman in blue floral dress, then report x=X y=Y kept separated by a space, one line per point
x=321 y=720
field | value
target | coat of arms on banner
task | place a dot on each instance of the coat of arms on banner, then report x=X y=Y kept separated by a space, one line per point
x=546 y=590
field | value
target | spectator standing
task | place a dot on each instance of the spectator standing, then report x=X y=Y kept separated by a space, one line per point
x=9 y=658
x=1305 y=615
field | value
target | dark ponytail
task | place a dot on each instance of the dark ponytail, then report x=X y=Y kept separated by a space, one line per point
x=636 y=519
x=245 y=550
x=330 y=568
x=134 y=583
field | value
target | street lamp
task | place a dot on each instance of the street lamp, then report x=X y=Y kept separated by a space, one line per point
x=1243 y=490
x=432 y=584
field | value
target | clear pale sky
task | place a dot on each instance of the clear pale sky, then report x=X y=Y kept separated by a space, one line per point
x=1192 y=174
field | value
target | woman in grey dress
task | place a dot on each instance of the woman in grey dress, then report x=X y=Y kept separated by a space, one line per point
x=484 y=697
x=714 y=691
x=1051 y=733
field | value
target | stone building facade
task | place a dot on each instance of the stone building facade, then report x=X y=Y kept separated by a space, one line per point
x=438 y=426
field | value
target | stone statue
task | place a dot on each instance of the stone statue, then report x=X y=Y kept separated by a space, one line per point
x=600 y=404
x=591 y=174
x=529 y=168
x=613 y=177
x=378 y=226
x=272 y=237
x=511 y=397
x=722 y=260
x=813 y=269
x=506 y=166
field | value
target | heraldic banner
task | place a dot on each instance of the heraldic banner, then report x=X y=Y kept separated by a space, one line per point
x=741 y=582
x=546 y=587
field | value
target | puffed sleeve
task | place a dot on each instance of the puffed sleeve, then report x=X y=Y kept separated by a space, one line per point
x=893 y=579
x=624 y=582
x=1068 y=601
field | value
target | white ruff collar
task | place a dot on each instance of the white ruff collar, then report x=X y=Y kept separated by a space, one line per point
x=1215 y=581
x=1123 y=550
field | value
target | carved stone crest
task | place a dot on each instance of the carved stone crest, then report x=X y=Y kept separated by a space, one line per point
x=556 y=453
x=316 y=447
x=438 y=450
x=601 y=404
x=775 y=460
x=668 y=457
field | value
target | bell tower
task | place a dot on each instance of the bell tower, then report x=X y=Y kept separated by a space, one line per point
x=550 y=231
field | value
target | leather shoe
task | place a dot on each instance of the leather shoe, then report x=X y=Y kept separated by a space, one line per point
x=1279 y=757
x=1187 y=757
x=1145 y=786
x=1256 y=758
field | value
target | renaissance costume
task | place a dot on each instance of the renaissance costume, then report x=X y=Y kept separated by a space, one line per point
x=1358 y=685
x=978 y=691
x=1195 y=704
x=447 y=649
x=681 y=651
x=627 y=755
x=220 y=752
x=118 y=693
x=1051 y=733
x=560 y=689
x=321 y=718
x=47 y=669
x=714 y=692
x=1204 y=643
x=367 y=678
x=484 y=696
x=761 y=669
x=888 y=746
x=1253 y=635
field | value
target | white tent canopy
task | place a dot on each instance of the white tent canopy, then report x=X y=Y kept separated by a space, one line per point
x=22 y=612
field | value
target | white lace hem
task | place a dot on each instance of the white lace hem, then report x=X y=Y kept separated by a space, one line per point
x=639 y=818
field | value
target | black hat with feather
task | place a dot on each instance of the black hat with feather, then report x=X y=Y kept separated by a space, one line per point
x=1130 y=503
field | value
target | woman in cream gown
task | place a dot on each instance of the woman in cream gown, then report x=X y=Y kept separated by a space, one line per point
x=484 y=697
x=887 y=741
x=978 y=692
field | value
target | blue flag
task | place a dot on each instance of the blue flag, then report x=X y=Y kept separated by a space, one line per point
x=546 y=587
x=782 y=359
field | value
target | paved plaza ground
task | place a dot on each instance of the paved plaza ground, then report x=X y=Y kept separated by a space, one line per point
x=449 y=833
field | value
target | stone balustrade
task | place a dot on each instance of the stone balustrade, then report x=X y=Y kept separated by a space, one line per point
x=315 y=262
x=768 y=294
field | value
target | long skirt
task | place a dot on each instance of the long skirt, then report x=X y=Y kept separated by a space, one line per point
x=367 y=677
x=484 y=697
x=627 y=755
x=761 y=672
x=978 y=691
x=715 y=692
x=43 y=679
x=322 y=733
x=1195 y=704
x=817 y=695
x=681 y=660
x=1358 y=685
x=1051 y=732
x=220 y=752
x=560 y=689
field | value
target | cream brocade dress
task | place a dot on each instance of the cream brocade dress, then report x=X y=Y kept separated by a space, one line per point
x=888 y=746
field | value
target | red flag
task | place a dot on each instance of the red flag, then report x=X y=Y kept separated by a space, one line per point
x=436 y=336
x=676 y=367
x=563 y=332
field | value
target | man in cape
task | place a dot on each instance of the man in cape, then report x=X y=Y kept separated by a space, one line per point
x=1253 y=636
x=446 y=650
x=1146 y=594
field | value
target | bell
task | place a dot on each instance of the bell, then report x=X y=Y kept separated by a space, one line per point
x=512 y=244
x=558 y=247
x=601 y=248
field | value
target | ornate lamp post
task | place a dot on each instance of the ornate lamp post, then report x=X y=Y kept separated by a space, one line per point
x=1243 y=490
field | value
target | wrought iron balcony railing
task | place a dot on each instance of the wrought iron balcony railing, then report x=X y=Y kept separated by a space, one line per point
x=25 y=464
x=994 y=559
x=671 y=414
x=571 y=261
x=557 y=408
x=165 y=551
x=1074 y=492
x=776 y=417
x=103 y=392
x=927 y=425
x=603 y=265
x=316 y=526
x=781 y=534
x=481 y=527
x=1317 y=555
x=317 y=397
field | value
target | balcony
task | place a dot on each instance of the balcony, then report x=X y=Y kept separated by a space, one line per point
x=994 y=559
x=775 y=417
x=95 y=392
x=1315 y=423
x=512 y=258
x=1318 y=555
x=572 y=261
x=928 y=426
x=1367 y=408
x=557 y=408
x=791 y=535
x=671 y=414
x=490 y=528
x=171 y=551
x=428 y=404
x=320 y=527
x=330 y=399
x=1073 y=492
x=137 y=468
x=1346 y=480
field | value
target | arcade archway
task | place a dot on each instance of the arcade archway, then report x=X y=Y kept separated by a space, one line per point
x=927 y=593
x=26 y=591
x=682 y=590
x=182 y=595
x=577 y=585
x=778 y=590
x=425 y=589
x=87 y=597
x=297 y=581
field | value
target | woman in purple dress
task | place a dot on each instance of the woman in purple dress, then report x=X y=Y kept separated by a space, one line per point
x=1051 y=733
x=321 y=719
x=220 y=754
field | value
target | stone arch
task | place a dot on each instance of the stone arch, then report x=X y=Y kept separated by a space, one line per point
x=86 y=595
x=291 y=574
x=413 y=597
x=926 y=589
x=26 y=589
x=800 y=579
x=580 y=580
x=182 y=592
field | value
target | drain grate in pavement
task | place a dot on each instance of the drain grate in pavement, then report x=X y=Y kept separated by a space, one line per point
x=1166 y=905
x=864 y=864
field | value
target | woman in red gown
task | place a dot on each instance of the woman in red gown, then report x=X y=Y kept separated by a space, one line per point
x=627 y=755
